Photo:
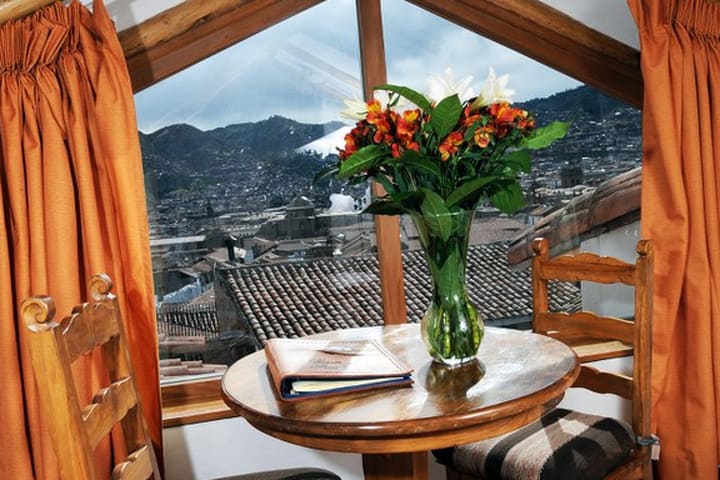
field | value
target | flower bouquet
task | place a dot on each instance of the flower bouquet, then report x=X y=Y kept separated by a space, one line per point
x=437 y=156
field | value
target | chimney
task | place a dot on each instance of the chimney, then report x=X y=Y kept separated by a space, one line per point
x=230 y=243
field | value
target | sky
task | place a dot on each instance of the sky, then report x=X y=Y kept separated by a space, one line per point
x=304 y=67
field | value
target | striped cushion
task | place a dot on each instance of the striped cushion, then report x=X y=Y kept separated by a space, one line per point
x=561 y=445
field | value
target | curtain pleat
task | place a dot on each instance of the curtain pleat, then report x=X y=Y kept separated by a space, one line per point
x=72 y=204
x=680 y=60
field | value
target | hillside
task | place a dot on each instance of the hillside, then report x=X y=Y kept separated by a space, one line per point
x=256 y=163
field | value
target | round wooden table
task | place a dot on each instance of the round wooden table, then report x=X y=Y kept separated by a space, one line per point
x=518 y=376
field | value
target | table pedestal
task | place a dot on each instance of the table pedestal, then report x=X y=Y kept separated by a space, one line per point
x=397 y=466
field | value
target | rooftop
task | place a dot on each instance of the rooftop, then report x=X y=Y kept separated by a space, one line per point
x=616 y=202
x=294 y=299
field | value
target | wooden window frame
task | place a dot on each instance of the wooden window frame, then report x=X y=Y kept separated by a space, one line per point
x=196 y=29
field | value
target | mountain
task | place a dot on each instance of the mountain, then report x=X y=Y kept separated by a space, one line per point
x=604 y=132
x=280 y=155
x=327 y=144
x=274 y=134
x=581 y=101
x=199 y=150
x=182 y=157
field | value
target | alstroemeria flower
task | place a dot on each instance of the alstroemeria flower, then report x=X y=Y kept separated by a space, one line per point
x=481 y=138
x=408 y=124
x=449 y=146
x=493 y=91
x=445 y=86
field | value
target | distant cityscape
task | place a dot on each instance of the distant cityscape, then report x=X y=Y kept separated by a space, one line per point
x=238 y=178
x=244 y=194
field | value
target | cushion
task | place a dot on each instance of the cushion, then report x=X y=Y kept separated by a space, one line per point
x=563 y=444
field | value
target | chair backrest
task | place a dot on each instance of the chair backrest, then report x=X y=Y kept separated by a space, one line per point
x=597 y=336
x=76 y=429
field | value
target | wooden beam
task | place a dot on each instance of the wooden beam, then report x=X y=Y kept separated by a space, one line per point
x=549 y=36
x=194 y=30
x=14 y=9
x=387 y=228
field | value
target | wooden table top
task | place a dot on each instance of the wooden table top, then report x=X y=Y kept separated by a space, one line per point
x=519 y=376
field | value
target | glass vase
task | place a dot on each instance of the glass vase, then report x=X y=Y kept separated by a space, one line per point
x=452 y=328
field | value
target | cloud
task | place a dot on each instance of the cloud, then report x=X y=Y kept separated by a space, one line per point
x=305 y=66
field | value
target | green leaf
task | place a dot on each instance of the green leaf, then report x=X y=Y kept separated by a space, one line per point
x=509 y=199
x=396 y=203
x=410 y=201
x=360 y=161
x=449 y=275
x=358 y=180
x=420 y=163
x=445 y=115
x=518 y=160
x=415 y=97
x=384 y=207
x=467 y=190
x=326 y=172
x=436 y=214
x=386 y=183
x=546 y=136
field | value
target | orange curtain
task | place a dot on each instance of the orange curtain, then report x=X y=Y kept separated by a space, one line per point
x=680 y=59
x=72 y=203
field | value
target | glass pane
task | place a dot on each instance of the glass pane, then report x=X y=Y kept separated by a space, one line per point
x=579 y=191
x=239 y=230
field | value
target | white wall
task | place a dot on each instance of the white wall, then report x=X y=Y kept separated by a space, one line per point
x=617 y=300
x=611 y=17
x=231 y=446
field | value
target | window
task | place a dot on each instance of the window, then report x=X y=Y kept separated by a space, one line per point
x=221 y=203
x=230 y=147
x=596 y=163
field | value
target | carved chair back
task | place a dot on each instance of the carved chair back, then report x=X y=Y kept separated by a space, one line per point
x=77 y=428
x=596 y=336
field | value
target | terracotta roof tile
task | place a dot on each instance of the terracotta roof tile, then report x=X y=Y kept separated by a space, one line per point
x=616 y=202
x=295 y=299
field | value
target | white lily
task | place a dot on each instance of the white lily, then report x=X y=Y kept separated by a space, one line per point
x=493 y=91
x=445 y=86
x=356 y=108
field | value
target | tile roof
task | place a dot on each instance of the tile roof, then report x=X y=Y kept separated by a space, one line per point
x=188 y=319
x=616 y=202
x=294 y=299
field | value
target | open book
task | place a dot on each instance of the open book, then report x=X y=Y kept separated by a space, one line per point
x=312 y=368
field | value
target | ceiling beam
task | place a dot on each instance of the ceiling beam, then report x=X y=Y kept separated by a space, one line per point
x=194 y=30
x=552 y=38
x=14 y=9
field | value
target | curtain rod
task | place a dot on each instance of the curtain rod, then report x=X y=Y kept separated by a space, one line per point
x=14 y=9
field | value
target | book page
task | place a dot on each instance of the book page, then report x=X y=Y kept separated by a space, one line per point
x=304 y=386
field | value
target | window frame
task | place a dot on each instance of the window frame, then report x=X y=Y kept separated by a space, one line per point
x=195 y=29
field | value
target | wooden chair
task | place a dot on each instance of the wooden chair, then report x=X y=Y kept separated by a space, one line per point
x=564 y=443
x=76 y=429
